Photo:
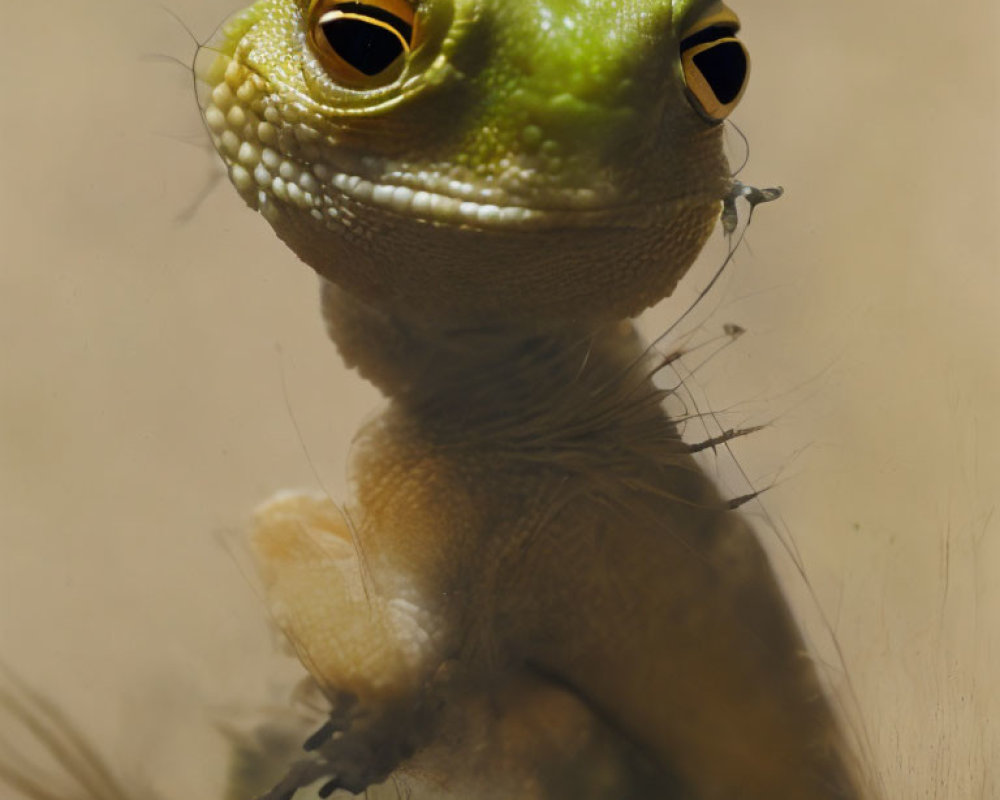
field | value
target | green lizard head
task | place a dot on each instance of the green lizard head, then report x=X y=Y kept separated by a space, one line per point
x=464 y=161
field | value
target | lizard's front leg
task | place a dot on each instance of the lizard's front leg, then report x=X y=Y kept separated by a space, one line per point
x=375 y=654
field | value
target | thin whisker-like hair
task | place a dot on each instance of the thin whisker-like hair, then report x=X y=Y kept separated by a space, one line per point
x=746 y=148
x=165 y=58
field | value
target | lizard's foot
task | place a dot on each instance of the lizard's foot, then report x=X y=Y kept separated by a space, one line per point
x=353 y=750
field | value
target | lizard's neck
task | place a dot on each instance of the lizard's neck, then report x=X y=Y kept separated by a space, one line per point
x=523 y=387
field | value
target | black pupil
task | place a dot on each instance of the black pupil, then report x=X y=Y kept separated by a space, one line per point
x=725 y=68
x=366 y=45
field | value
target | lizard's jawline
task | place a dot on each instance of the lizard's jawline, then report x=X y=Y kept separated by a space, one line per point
x=437 y=208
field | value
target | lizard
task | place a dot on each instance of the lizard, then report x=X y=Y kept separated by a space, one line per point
x=535 y=590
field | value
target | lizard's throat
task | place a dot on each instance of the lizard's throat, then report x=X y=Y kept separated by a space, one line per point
x=505 y=385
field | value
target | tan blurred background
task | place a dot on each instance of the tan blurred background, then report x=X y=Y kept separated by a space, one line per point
x=163 y=368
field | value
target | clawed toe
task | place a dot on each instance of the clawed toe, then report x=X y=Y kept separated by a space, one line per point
x=299 y=775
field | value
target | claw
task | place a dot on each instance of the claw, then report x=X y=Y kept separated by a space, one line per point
x=338 y=722
x=300 y=774
x=322 y=735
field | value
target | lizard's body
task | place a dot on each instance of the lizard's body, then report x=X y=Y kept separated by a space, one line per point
x=536 y=593
x=484 y=202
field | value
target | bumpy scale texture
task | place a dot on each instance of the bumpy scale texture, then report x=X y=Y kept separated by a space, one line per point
x=504 y=137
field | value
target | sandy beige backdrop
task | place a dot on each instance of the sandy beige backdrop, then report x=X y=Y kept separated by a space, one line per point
x=162 y=371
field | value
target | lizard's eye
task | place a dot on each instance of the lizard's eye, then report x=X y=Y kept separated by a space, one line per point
x=716 y=64
x=361 y=44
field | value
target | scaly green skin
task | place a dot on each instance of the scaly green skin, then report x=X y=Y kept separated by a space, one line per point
x=549 y=138
x=536 y=593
